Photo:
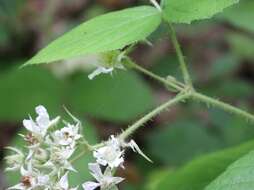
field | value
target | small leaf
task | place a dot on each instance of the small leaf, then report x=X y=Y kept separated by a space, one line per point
x=186 y=11
x=197 y=174
x=238 y=176
x=104 y=33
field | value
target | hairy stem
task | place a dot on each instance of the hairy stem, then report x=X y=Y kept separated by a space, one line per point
x=158 y=78
x=129 y=131
x=180 y=56
x=200 y=97
x=222 y=105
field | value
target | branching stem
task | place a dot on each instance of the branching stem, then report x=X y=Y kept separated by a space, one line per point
x=185 y=91
x=175 y=85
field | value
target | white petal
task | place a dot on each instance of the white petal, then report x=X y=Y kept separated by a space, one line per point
x=69 y=167
x=17 y=187
x=114 y=142
x=30 y=125
x=90 y=185
x=75 y=188
x=41 y=110
x=99 y=71
x=14 y=168
x=116 y=180
x=43 y=117
x=101 y=161
x=67 y=153
x=95 y=171
x=23 y=171
x=117 y=162
x=30 y=154
x=64 y=181
x=14 y=149
x=49 y=164
x=54 y=121
x=43 y=180
x=136 y=148
x=108 y=172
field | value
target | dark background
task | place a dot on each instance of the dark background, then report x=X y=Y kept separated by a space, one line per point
x=220 y=53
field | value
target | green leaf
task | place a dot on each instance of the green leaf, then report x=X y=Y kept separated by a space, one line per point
x=104 y=33
x=238 y=176
x=197 y=174
x=233 y=130
x=120 y=98
x=155 y=177
x=241 y=15
x=23 y=89
x=186 y=11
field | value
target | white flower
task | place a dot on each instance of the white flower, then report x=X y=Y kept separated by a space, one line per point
x=105 y=181
x=63 y=184
x=59 y=158
x=100 y=70
x=109 y=61
x=30 y=179
x=133 y=145
x=110 y=154
x=43 y=122
x=43 y=181
x=14 y=161
x=41 y=154
x=67 y=136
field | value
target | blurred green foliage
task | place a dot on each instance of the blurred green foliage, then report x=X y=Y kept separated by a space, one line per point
x=221 y=56
x=23 y=89
x=241 y=15
x=105 y=97
x=174 y=143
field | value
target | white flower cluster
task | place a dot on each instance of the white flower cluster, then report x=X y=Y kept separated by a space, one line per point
x=45 y=165
x=110 y=156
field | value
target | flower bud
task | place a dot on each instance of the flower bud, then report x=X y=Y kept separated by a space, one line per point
x=14 y=161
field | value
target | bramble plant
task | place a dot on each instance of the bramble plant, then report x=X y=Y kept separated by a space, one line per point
x=48 y=160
